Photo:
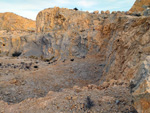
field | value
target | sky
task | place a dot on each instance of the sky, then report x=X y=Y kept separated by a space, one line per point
x=30 y=8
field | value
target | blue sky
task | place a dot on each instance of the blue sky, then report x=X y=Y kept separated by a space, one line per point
x=30 y=8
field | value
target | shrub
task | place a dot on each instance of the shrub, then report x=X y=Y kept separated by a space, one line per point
x=89 y=103
x=16 y=54
x=76 y=9
x=35 y=66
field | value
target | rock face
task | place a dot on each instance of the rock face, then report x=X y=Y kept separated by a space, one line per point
x=140 y=5
x=14 y=41
x=12 y=22
x=119 y=41
x=12 y=28
x=128 y=58
x=73 y=36
x=62 y=19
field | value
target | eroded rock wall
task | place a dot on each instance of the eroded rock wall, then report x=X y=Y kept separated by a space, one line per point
x=11 y=42
x=127 y=58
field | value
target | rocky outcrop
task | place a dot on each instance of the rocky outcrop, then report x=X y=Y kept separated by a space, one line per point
x=140 y=5
x=75 y=37
x=13 y=22
x=127 y=58
x=96 y=12
x=120 y=41
x=62 y=19
x=11 y=42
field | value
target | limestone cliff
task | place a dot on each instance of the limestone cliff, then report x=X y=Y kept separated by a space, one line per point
x=12 y=22
x=140 y=5
x=56 y=19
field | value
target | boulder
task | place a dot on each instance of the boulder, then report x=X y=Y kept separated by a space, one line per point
x=113 y=12
x=102 y=12
x=107 y=12
x=96 y=12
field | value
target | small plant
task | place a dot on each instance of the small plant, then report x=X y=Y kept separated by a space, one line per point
x=16 y=54
x=35 y=66
x=48 y=60
x=132 y=86
x=72 y=59
x=89 y=103
x=76 y=9
x=33 y=57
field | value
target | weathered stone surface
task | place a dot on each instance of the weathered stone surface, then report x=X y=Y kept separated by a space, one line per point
x=75 y=37
x=146 y=12
x=142 y=103
x=96 y=12
x=13 y=22
x=62 y=19
x=11 y=42
x=102 y=12
x=128 y=57
x=107 y=12
x=113 y=12
x=119 y=41
x=140 y=5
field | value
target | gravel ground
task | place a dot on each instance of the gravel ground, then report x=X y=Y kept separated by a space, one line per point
x=71 y=86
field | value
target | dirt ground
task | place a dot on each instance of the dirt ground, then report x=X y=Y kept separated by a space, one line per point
x=71 y=86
